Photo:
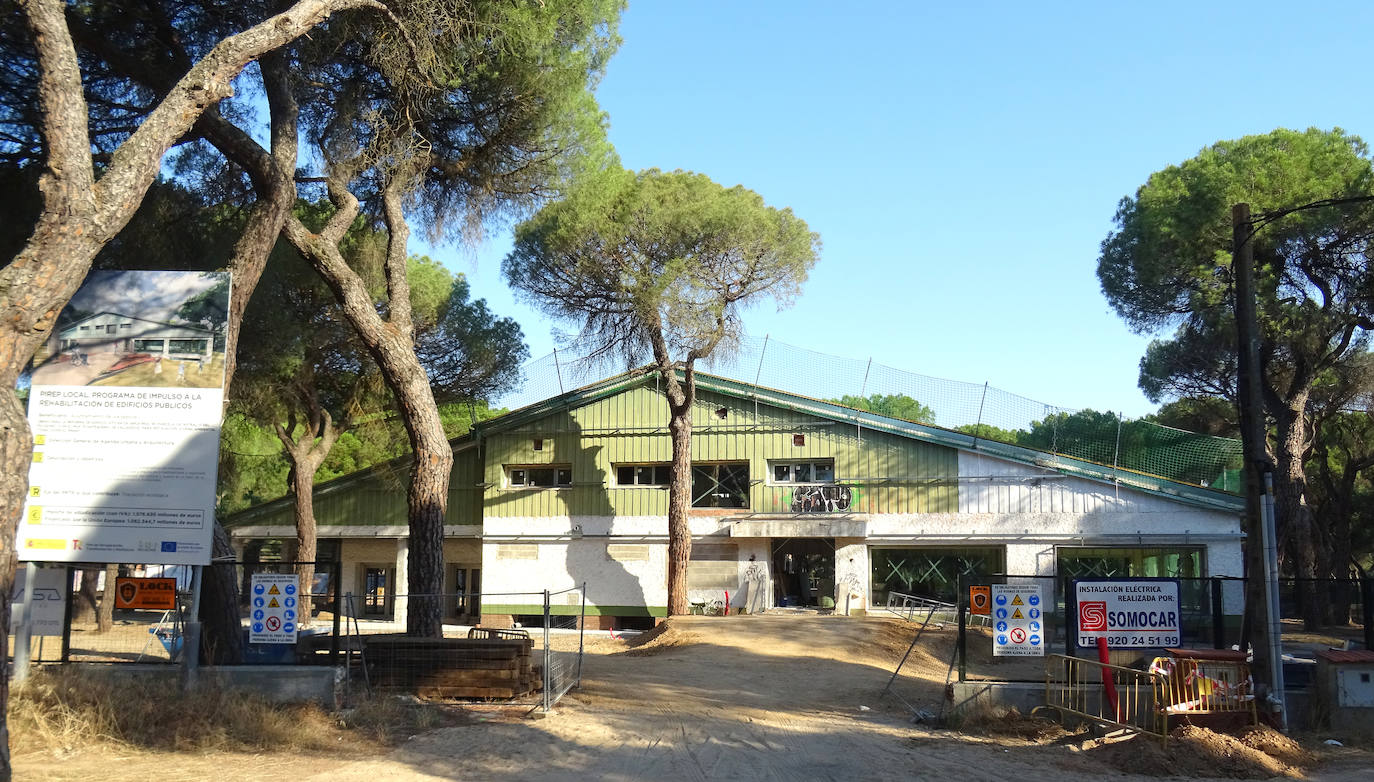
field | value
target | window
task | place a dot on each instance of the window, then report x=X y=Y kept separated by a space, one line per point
x=110 y=329
x=720 y=485
x=930 y=572
x=187 y=346
x=148 y=346
x=643 y=474
x=551 y=476
x=820 y=471
x=85 y=328
x=126 y=325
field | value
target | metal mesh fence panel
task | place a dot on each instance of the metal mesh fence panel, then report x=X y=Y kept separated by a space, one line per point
x=1103 y=437
x=533 y=663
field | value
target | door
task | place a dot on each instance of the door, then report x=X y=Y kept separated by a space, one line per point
x=466 y=583
x=376 y=591
x=804 y=572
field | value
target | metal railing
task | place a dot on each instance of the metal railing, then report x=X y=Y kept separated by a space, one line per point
x=1105 y=693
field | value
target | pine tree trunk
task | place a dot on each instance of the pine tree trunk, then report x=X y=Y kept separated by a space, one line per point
x=1307 y=547
x=104 y=619
x=221 y=626
x=679 y=499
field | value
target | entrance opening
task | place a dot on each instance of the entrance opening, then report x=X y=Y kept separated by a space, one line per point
x=377 y=591
x=804 y=572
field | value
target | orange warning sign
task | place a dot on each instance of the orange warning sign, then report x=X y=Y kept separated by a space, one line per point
x=157 y=594
x=980 y=600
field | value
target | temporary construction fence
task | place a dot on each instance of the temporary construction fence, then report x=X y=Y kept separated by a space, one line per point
x=1102 y=437
x=535 y=664
x=1203 y=624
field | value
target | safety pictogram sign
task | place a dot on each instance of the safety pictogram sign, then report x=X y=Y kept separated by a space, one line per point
x=980 y=600
x=1018 y=628
x=273 y=617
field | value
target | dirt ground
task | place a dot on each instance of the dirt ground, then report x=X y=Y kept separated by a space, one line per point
x=745 y=698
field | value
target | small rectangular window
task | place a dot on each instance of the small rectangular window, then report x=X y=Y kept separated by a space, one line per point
x=643 y=474
x=816 y=471
x=539 y=477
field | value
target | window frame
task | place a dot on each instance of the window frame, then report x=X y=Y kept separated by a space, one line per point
x=748 y=482
x=635 y=467
x=792 y=464
x=509 y=472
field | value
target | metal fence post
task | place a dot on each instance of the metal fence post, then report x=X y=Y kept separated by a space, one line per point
x=548 y=678
x=335 y=579
x=963 y=627
x=1367 y=610
x=1218 y=626
x=24 y=637
x=581 y=635
x=67 y=612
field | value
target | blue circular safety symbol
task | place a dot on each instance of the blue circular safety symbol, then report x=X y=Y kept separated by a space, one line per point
x=257 y=627
x=290 y=602
x=1001 y=613
x=1035 y=640
x=1035 y=613
x=288 y=628
x=1001 y=627
x=1002 y=640
x=290 y=589
x=1035 y=600
x=288 y=614
x=1035 y=627
x=1001 y=600
x=258 y=614
x=259 y=602
x=257 y=589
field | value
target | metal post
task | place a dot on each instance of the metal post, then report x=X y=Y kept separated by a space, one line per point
x=547 y=657
x=1271 y=574
x=581 y=635
x=863 y=389
x=962 y=604
x=1218 y=619
x=558 y=370
x=336 y=578
x=1367 y=610
x=67 y=612
x=190 y=648
x=25 y=636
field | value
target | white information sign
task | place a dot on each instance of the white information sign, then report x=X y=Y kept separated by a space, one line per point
x=47 y=604
x=275 y=606
x=1018 y=620
x=1129 y=613
x=125 y=411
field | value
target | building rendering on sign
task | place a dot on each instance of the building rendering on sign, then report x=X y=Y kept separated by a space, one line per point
x=111 y=332
x=795 y=501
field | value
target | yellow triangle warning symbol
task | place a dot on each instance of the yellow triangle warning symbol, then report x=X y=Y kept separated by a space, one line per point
x=274 y=590
x=1014 y=614
x=1016 y=600
x=275 y=604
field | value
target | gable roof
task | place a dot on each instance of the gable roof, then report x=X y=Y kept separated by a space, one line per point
x=1198 y=496
x=207 y=333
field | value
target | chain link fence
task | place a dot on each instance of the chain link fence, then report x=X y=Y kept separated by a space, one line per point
x=1101 y=437
x=535 y=662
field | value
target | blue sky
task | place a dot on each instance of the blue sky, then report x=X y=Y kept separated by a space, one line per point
x=961 y=164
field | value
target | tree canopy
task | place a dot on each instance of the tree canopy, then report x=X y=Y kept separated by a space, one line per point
x=891 y=405
x=661 y=264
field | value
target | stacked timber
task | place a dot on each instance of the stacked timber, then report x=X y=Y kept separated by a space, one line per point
x=487 y=668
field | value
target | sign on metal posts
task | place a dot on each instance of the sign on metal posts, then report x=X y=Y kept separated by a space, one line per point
x=125 y=411
x=1137 y=613
x=275 y=605
x=980 y=600
x=157 y=594
x=1018 y=614
x=47 y=602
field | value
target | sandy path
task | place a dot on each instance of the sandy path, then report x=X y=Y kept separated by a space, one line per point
x=756 y=698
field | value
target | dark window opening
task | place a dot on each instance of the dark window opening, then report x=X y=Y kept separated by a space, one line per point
x=643 y=474
x=720 y=485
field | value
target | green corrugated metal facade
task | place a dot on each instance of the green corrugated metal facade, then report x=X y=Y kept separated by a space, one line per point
x=888 y=473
